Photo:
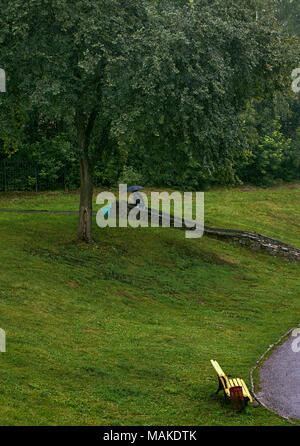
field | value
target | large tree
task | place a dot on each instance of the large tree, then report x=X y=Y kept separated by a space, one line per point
x=168 y=75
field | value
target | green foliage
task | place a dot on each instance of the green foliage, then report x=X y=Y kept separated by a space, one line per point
x=273 y=147
x=130 y=176
x=288 y=12
x=109 y=168
x=197 y=81
x=169 y=77
x=51 y=156
x=270 y=154
x=48 y=163
x=11 y=130
x=264 y=164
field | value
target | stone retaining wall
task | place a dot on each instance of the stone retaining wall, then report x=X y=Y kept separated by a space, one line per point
x=252 y=240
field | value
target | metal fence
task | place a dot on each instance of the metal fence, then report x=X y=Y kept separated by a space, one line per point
x=18 y=176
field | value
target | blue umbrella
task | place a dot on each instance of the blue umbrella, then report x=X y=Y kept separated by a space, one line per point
x=134 y=188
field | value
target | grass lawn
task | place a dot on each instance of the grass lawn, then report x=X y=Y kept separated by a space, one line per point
x=121 y=332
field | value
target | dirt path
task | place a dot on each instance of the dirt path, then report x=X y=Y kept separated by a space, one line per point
x=37 y=211
x=280 y=381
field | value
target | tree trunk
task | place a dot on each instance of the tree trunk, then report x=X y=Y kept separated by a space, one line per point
x=84 y=129
x=86 y=196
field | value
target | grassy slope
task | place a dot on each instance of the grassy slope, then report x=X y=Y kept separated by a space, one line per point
x=274 y=211
x=121 y=332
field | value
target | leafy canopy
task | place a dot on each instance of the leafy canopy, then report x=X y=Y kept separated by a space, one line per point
x=167 y=77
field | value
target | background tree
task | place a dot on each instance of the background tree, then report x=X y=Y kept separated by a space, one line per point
x=288 y=12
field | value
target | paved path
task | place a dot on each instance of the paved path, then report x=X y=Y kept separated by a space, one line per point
x=280 y=381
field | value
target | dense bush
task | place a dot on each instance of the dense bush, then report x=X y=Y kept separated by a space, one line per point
x=271 y=159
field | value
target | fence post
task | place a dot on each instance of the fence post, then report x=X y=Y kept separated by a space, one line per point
x=4 y=174
x=36 y=179
x=65 y=186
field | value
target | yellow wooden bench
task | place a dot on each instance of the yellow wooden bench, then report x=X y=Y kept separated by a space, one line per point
x=225 y=383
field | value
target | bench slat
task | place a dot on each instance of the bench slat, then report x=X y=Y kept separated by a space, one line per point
x=217 y=368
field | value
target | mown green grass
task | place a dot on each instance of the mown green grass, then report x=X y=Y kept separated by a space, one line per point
x=274 y=211
x=121 y=332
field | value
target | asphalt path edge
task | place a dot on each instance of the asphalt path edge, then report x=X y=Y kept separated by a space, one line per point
x=258 y=364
